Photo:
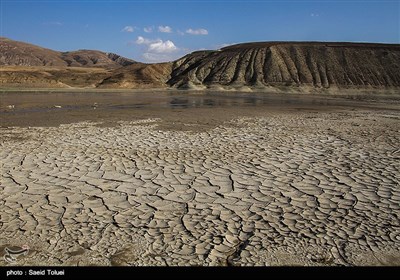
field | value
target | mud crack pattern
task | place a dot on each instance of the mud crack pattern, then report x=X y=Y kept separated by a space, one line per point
x=287 y=189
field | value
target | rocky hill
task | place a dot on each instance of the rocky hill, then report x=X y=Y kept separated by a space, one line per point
x=283 y=66
x=295 y=64
x=14 y=53
x=138 y=75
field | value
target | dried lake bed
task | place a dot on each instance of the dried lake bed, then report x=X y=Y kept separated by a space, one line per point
x=199 y=179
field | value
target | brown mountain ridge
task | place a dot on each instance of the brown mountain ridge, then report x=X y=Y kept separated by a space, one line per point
x=258 y=65
x=24 y=54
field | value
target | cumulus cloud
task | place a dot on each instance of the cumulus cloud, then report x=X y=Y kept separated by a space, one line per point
x=157 y=50
x=200 y=31
x=142 y=41
x=165 y=29
x=162 y=47
x=314 y=15
x=148 y=29
x=157 y=46
x=128 y=28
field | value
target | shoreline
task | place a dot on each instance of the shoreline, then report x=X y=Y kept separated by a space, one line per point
x=55 y=108
x=301 y=90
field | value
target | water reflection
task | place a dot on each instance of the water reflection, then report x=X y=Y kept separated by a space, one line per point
x=179 y=103
x=250 y=101
x=215 y=101
x=128 y=106
x=209 y=102
x=32 y=102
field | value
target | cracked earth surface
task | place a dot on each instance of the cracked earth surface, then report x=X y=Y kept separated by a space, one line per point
x=284 y=189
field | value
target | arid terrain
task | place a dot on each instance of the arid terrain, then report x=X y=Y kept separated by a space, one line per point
x=172 y=178
x=257 y=154
x=305 y=67
x=25 y=65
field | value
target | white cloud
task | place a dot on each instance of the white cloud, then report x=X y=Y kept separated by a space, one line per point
x=157 y=50
x=165 y=29
x=180 y=32
x=162 y=47
x=148 y=29
x=142 y=41
x=314 y=15
x=128 y=28
x=200 y=31
x=157 y=46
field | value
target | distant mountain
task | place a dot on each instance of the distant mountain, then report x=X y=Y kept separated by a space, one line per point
x=294 y=64
x=16 y=53
x=283 y=66
x=138 y=75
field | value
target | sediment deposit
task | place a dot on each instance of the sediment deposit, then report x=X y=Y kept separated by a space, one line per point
x=304 y=188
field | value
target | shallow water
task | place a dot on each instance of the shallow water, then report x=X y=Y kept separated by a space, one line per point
x=52 y=108
x=36 y=101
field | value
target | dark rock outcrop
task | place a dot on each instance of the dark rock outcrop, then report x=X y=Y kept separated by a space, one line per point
x=314 y=64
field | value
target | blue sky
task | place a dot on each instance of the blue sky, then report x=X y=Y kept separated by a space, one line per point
x=153 y=31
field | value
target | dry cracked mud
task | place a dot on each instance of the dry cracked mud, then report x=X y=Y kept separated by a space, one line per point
x=300 y=188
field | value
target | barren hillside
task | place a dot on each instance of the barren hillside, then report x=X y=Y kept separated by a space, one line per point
x=16 y=53
x=313 y=64
x=263 y=65
x=139 y=75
